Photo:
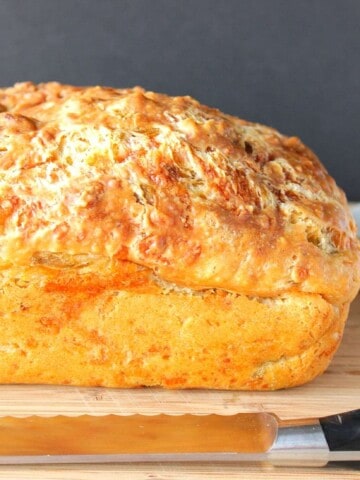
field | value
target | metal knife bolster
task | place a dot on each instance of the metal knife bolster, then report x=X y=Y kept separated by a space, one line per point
x=303 y=444
x=316 y=442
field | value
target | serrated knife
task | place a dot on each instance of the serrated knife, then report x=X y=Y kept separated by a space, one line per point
x=249 y=437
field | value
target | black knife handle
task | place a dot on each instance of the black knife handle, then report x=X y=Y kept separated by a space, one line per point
x=342 y=431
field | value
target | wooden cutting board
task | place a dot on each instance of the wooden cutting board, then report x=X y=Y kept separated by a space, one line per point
x=337 y=390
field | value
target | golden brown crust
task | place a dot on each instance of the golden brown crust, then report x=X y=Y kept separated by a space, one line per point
x=202 y=198
x=150 y=240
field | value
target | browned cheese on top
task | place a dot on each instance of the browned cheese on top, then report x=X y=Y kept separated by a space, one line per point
x=202 y=199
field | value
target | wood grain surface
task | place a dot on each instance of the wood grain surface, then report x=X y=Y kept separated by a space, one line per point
x=336 y=391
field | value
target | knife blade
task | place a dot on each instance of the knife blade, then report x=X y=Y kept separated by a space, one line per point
x=249 y=437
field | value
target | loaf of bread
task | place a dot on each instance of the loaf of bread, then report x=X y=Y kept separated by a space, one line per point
x=148 y=240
